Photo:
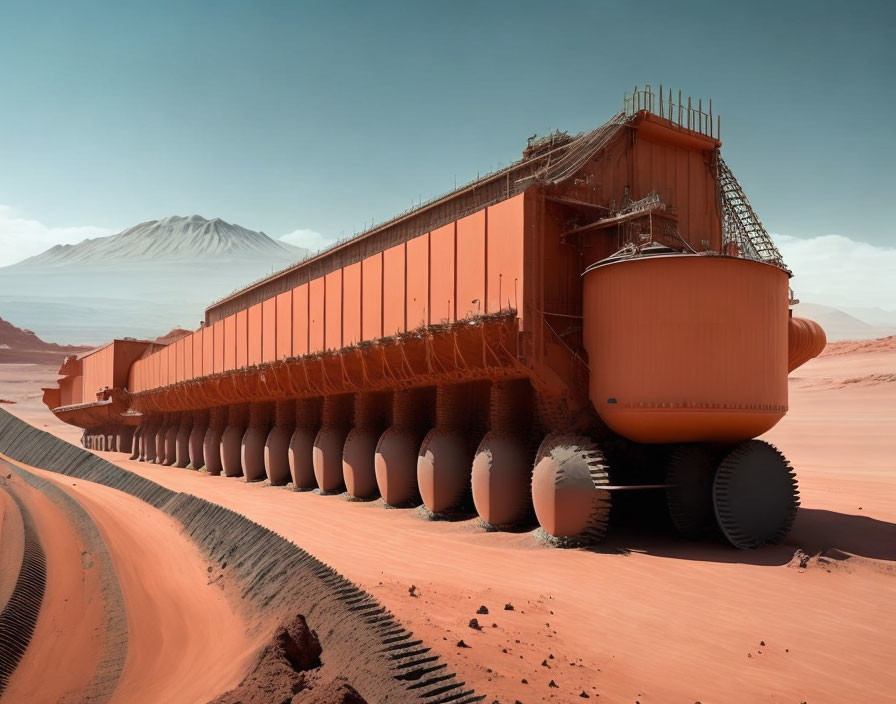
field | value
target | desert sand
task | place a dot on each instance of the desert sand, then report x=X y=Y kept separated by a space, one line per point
x=647 y=617
x=171 y=635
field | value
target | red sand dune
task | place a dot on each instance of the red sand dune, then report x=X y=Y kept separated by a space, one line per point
x=646 y=618
x=882 y=344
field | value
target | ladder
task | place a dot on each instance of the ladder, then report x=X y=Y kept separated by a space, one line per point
x=740 y=223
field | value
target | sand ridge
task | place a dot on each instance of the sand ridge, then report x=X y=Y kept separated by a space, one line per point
x=77 y=600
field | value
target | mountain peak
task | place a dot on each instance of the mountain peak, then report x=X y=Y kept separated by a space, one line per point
x=173 y=238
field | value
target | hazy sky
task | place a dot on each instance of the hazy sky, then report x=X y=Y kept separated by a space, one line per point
x=324 y=116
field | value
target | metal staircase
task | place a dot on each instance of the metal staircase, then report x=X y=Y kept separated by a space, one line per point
x=740 y=224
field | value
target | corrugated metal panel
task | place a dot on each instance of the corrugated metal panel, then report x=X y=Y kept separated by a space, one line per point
x=471 y=265
x=284 y=325
x=230 y=342
x=394 y=280
x=88 y=364
x=333 y=310
x=253 y=336
x=682 y=178
x=242 y=338
x=316 y=316
x=208 y=350
x=351 y=304
x=505 y=255
x=188 y=357
x=417 y=294
x=269 y=330
x=165 y=368
x=372 y=294
x=97 y=371
x=179 y=355
x=441 y=284
x=71 y=391
x=300 y=328
x=197 y=353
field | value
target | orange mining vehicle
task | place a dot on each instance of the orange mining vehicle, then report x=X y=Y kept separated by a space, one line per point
x=605 y=314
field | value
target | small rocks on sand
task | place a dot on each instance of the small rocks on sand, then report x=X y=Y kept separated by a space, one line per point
x=508 y=607
x=482 y=610
x=553 y=685
x=474 y=624
x=461 y=644
x=413 y=590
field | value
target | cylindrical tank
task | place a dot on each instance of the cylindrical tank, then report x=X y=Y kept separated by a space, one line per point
x=445 y=459
x=687 y=348
x=161 y=434
x=182 y=441
x=171 y=439
x=197 y=437
x=395 y=461
x=330 y=441
x=211 y=443
x=301 y=444
x=135 y=447
x=806 y=339
x=126 y=438
x=359 y=451
x=502 y=467
x=252 y=445
x=276 y=446
x=232 y=440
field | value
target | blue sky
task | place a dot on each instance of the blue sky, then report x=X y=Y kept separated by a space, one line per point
x=325 y=116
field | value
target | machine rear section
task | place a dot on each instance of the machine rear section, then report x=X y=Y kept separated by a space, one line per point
x=690 y=354
x=605 y=318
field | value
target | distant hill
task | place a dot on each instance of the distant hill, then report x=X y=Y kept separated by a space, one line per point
x=17 y=345
x=174 y=238
x=172 y=336
x=839 y=325
x=140 y=282
x=874 y=316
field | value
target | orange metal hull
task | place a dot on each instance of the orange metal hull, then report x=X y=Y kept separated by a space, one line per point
x=687 y=348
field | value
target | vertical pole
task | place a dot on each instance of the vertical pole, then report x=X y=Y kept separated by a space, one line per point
x=661 y=100
x=690 y=113
x=679 y=108
x=710 y=117
x=700 y=114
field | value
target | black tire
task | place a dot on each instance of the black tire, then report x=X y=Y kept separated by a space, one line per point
x=691 y=468
x=755 y=495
